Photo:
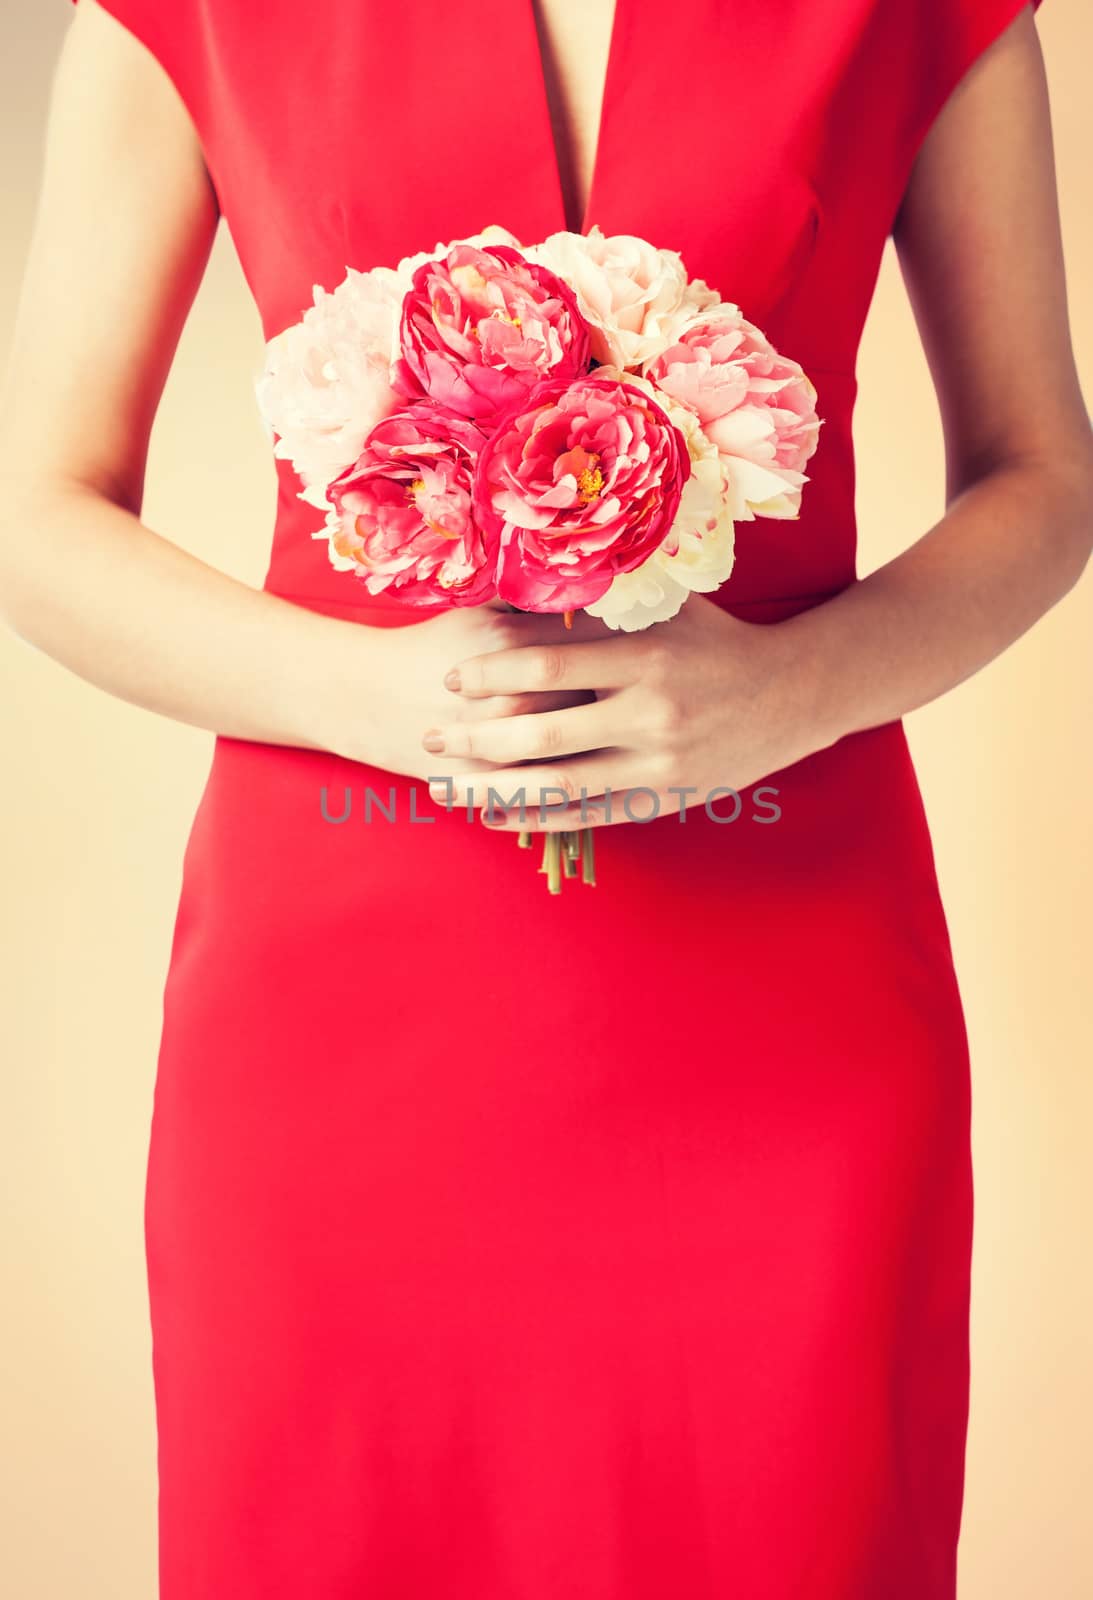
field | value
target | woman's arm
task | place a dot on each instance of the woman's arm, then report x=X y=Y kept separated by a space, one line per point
x=126 y=218
x=979 y=245
x=125 y=223
x=710 y=701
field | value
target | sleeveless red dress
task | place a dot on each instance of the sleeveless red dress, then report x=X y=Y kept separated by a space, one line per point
x=614 y=1245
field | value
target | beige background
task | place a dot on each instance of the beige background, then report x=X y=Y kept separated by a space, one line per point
x=96 y=805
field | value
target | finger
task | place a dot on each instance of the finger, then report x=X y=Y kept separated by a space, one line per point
x=598 y=664
x=535 y=737
x=443 y=767
x=516 y=705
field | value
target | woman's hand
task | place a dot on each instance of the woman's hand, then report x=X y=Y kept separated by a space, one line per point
x=386 y=684
x=702 y=703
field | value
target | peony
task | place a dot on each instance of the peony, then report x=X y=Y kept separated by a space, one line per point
x=494 y=234
x=633 y=296
x=757 y=407
x=402 y=515
x=326 y=381
x=482 y=325
x=582 y=483
x=696 y=555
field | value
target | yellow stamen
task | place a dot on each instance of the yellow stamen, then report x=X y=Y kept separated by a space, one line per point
x=589 y=484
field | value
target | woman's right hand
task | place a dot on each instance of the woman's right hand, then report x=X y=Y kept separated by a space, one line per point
x=389 y=683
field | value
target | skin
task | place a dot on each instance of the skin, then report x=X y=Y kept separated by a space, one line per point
x=125 y=224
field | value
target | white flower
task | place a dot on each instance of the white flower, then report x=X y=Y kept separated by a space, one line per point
x=326 y=379
x=697 y=554
x=634 y=296
x=329 y=531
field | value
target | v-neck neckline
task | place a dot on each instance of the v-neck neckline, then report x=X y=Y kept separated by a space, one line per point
x=616 y=40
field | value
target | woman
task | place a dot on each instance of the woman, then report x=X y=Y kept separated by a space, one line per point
x=614 y=1244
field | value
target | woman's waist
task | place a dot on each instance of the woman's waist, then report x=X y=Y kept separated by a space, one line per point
x=853 y=799
x=293 y=846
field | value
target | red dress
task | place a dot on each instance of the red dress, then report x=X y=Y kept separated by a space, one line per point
x=614 y=1245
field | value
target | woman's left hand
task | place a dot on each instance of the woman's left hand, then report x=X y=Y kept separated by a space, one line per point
x=703 y=703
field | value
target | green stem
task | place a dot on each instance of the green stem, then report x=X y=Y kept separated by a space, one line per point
x=588 y=856
x=554 y=863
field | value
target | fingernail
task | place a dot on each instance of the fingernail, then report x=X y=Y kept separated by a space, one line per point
x=433 y=741
x=452 y=679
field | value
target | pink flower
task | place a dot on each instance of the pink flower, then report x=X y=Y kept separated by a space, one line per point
x=757 y=407
x=403 y=517
x=482 y=325
x=582 y=483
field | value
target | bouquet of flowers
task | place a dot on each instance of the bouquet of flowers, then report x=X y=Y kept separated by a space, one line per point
x=569 y=425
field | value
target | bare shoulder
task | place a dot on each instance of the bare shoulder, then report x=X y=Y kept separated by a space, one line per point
x=978 y=234
x=125 y=219
x=112 y=68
